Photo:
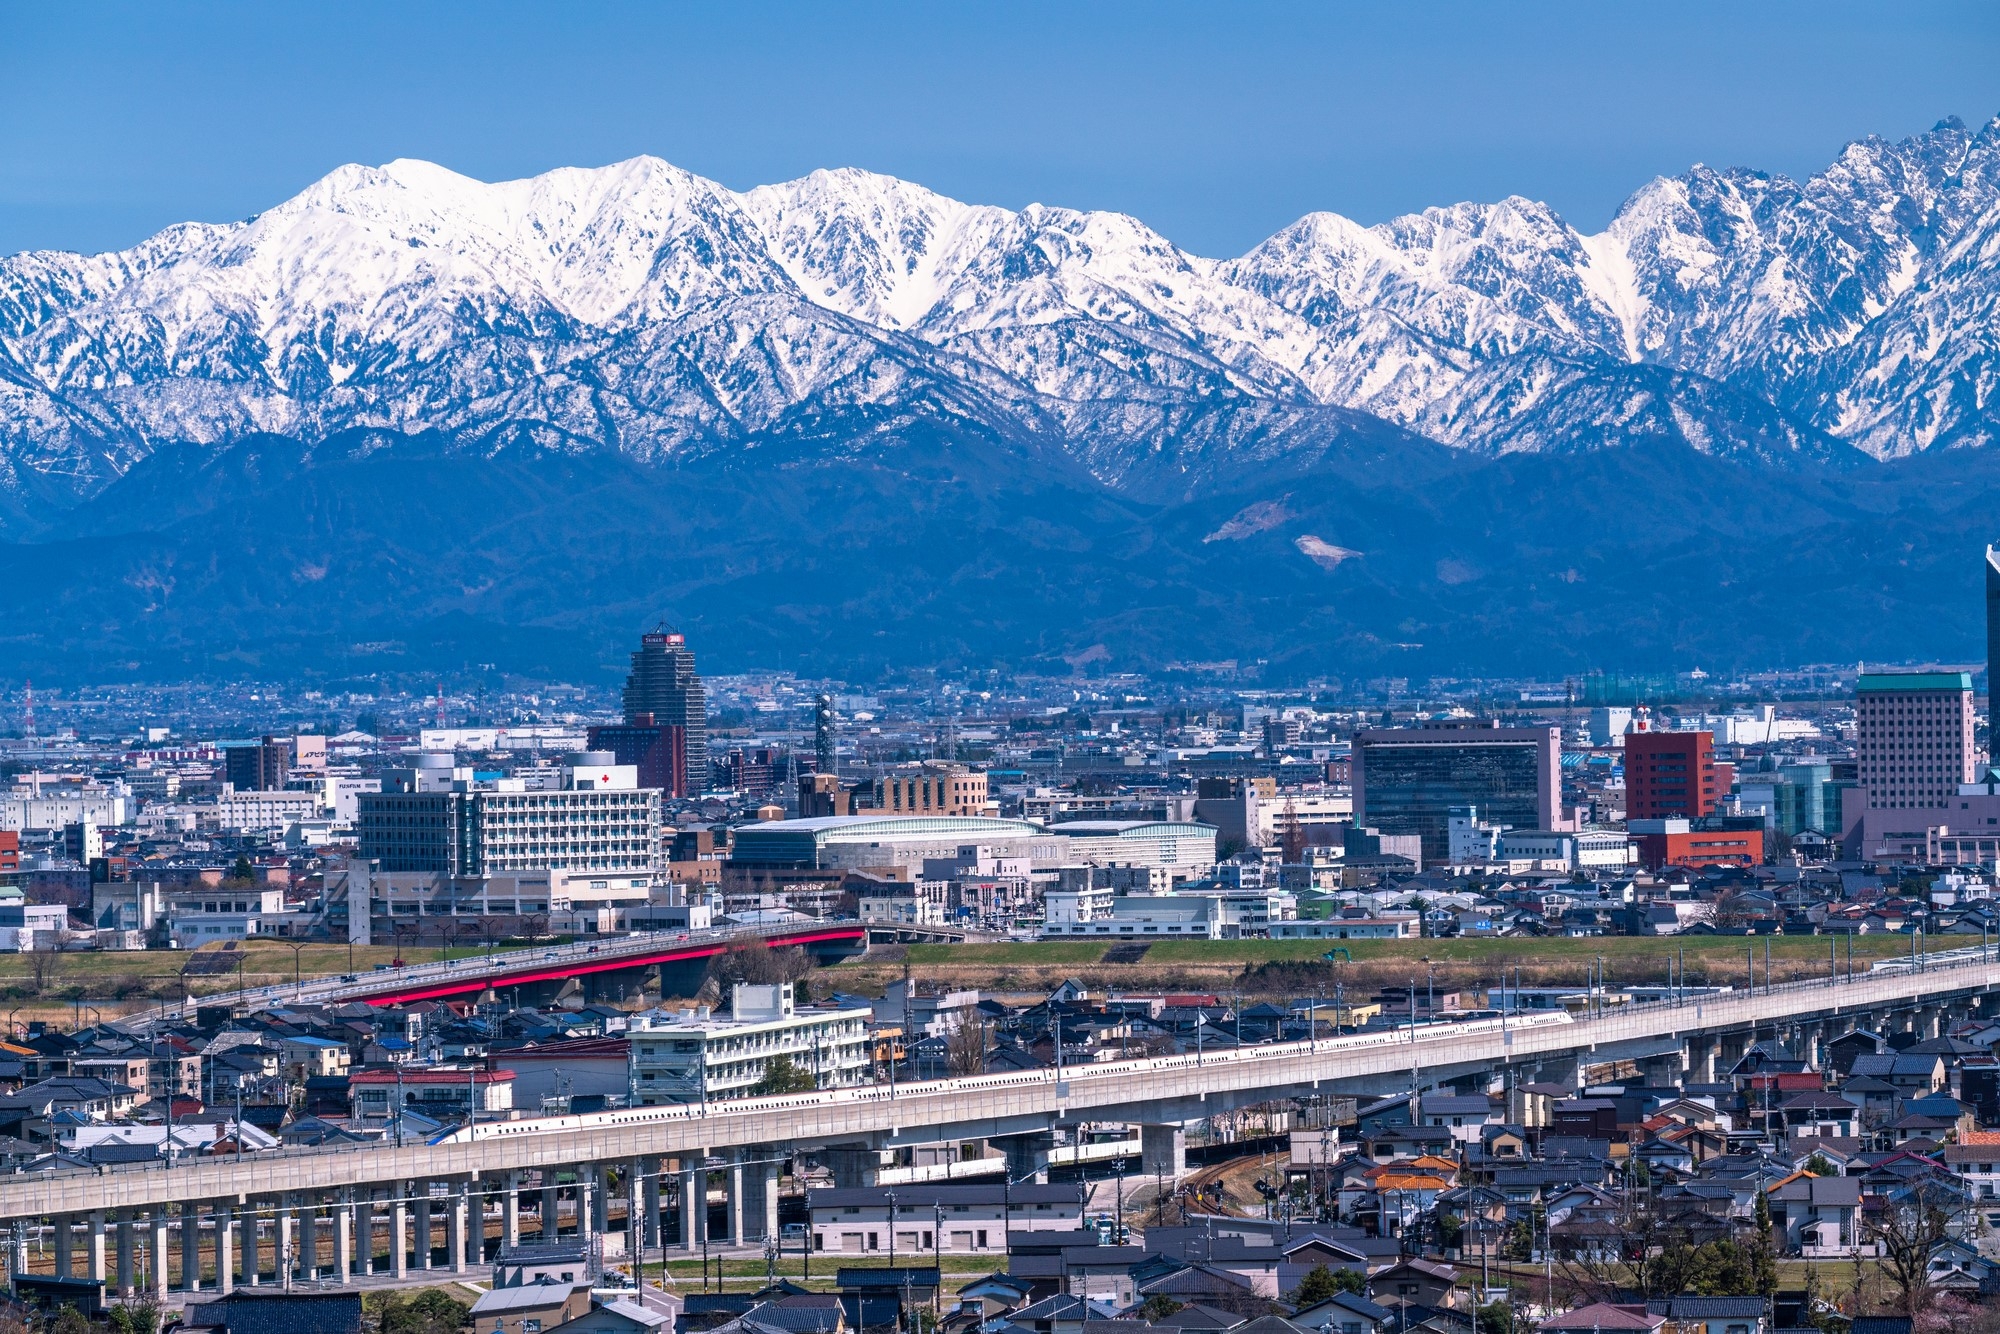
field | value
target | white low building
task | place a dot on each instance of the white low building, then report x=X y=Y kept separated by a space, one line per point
x=1069 y=907
x=1470 y=839
x=1561 y=850
x=1187 y=848
x=263 y=812
x=1151 y=916
x=1379 y=926
x=694 y=1056
x=36 y=805
x=31 y=926
x=922 y=1220
x=199 y=917
x=901 y=903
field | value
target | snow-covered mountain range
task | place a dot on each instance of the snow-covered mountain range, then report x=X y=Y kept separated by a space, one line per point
x=640 y=308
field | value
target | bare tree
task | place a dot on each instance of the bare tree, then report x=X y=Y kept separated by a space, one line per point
x=1908 y=1230
x=965 y=1049
x=1597 y=1270
x=759 y=963
x=43 y=964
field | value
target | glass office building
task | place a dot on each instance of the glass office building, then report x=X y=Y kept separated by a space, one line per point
x=1406 y=780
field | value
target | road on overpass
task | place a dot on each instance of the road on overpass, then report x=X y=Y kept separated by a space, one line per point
x=519 y=967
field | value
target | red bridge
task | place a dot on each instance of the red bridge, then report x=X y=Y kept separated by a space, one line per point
x=468 y=976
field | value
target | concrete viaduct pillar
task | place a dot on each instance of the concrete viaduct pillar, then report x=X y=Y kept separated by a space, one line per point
x=694 y=1199
x=459 y=1224
x=651 y=1176
x=343 y=1238
x=191 y=1247
x=399 y=1233
x=510 y=1209
x=126 y=1245
x=635 y=1211
x=1028 y=1155
x=159 y=1262
x=364 y=1233
x=551 y=1209
x=424 y=1223
x=854 y=1167
x=734 y=1187
x=225 y=1252
x=770 y=1219
x=65 y=1257
x=588 y=1193
x=1661 y=1071
x=1163 y=1152
x=286 y=1242
x=308 y=1229
x=253 y=1245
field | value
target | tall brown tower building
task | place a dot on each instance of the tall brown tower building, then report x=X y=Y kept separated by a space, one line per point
x=664 y=684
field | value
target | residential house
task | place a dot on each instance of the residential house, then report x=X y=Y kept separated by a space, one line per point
x=1711 y=1315
x=533 y=1309
x=1817 y=1217
x=1416 y=1283
x=1605 y=1318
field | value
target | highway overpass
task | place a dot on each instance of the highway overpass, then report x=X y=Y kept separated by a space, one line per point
x=685 y=953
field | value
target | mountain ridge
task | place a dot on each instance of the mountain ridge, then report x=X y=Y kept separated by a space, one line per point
x=643 y=308
x=848 y=422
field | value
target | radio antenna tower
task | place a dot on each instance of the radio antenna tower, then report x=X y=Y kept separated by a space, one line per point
x=440 y=706
x=28 y=712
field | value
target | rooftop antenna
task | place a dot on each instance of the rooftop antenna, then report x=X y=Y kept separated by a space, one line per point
x=28 y=712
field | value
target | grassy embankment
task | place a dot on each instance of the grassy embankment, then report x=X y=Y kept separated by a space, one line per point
x=59 y=987
x=1292 y=967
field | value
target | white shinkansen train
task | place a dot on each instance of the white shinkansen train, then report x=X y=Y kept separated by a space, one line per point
x=1419 y=1035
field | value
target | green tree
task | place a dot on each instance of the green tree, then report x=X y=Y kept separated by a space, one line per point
x=1157 y=1307
x=781 y=1076
x=69 y=1320
x=1350 y=1281
x=1714 y=1269
x=1317 y=1286
x=138 y=1316
x=1819 y=1166
x=1763 y=1252
x=243 y=870
x=1495 y=1318
x=428 y=1312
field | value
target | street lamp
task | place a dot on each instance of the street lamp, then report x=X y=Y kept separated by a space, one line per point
x=298 y=975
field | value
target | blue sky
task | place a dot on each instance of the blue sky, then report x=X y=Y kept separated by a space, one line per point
x=1215 y=123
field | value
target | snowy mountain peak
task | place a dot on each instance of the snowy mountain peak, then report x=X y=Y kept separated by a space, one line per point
x=644 y=308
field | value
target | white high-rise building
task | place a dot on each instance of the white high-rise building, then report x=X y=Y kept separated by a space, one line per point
x=596 y=828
